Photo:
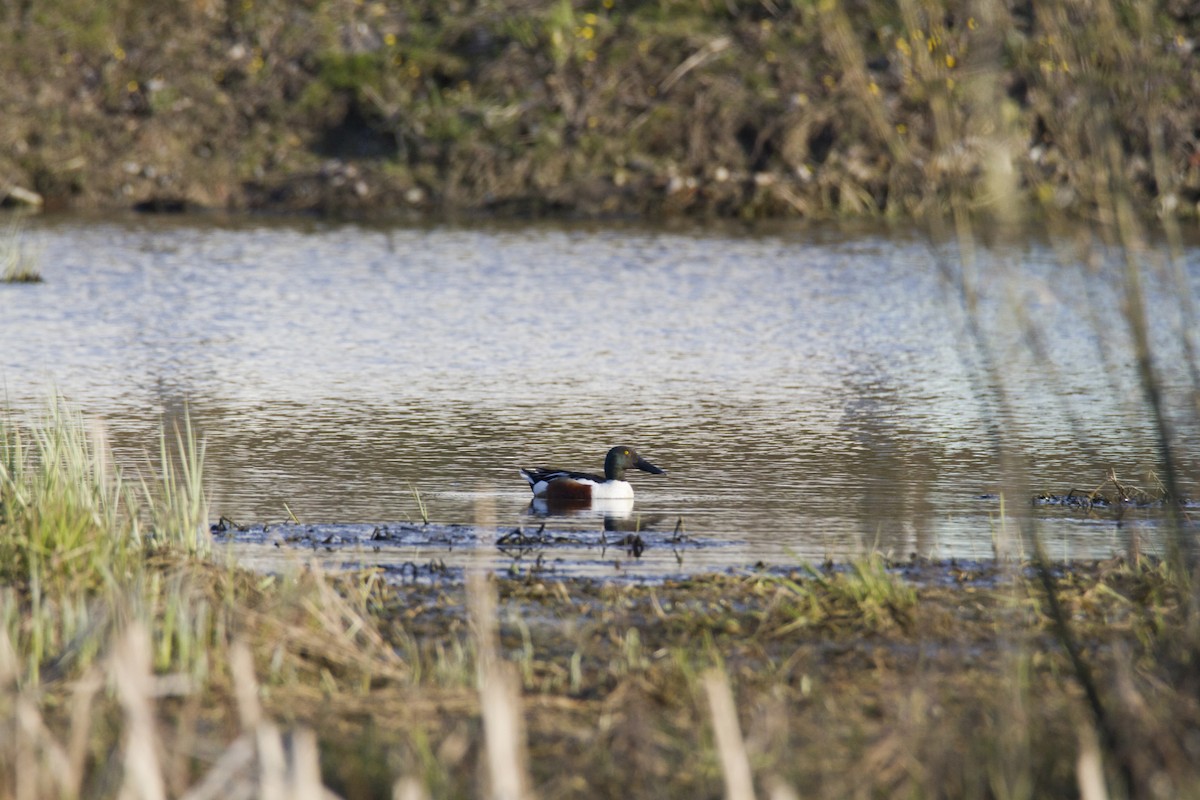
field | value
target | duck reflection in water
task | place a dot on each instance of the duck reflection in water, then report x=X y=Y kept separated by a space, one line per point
x=617 y=515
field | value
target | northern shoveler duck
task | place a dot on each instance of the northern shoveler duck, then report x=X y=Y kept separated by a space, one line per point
x=561 y=485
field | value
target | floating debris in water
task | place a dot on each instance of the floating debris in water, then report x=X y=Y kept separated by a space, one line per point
x=225 y=525
x=1111 y=494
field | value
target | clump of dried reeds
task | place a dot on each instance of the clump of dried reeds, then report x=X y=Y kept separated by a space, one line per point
x=101 y=583
x=16 y=263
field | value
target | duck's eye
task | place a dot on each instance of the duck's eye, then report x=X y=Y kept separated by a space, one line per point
x=626 y=452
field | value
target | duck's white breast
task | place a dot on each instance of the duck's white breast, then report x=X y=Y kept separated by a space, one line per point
x=612 y=490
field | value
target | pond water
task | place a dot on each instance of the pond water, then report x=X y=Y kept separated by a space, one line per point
x=813 y=392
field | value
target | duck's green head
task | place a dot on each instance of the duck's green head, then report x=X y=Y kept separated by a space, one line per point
x=621 y=458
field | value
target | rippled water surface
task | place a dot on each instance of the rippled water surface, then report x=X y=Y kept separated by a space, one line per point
x=812 y=392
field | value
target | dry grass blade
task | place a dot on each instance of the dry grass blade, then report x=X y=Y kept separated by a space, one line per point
x=354 y=634
x=500 y=700
x=778 y=789
x=409 y=789
x=1089 y=767
x=130 y=667
x=48 y=764
x=9 y=666
x=305 y=775
x=709 y=51
x=731 y=749
x=237 y=758
x=245 y=685
x=272 y=763
x=420 y=504
x=278 y=777
x=81 y=724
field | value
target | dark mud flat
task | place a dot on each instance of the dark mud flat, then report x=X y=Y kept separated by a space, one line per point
x=948 y=679
x=413 y=551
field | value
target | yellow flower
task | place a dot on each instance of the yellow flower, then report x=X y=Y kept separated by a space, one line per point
x=950 y=61
x=389 y=39
x=590 y=19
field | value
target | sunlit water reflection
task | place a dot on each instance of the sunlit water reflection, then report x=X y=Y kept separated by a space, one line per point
x=814 y=393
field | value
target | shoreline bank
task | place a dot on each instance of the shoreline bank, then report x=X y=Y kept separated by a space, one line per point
x=658 y=111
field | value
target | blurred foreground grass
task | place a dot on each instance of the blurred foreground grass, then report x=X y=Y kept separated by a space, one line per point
x=134 y=661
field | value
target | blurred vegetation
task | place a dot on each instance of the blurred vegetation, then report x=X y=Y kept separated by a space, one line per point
x=133 y=662
x=744 y=109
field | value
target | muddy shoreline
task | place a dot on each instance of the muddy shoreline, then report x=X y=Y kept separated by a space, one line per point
x=363 y=110
x=847 y=682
